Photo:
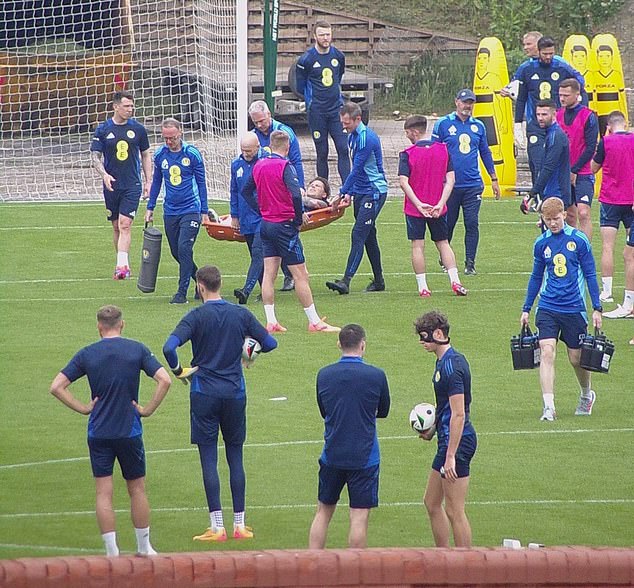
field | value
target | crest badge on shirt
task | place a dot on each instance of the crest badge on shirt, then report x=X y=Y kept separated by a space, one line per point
x=474 y=128
x=555 y=76
x=334 y=62
x=571 y=246
x=131 y=134
x=185 y=161
x=437 y=376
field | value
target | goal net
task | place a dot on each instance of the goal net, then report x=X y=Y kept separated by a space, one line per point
x=61 y=61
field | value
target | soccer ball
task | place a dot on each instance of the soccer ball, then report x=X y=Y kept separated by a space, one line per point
x=250 y=350
x=422 y=417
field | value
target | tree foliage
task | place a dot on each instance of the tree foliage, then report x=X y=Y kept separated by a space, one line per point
x=429 y=82
x=510 y=19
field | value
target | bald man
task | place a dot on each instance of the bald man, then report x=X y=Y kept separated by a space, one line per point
x=529 y=45
x=244 y=218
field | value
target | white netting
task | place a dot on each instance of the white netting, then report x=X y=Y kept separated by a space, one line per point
x=61 y=61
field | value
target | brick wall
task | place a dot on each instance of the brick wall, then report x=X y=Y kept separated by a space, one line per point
x=344 y=568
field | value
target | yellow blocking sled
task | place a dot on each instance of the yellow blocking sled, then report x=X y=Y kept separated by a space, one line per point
x=496 y=112
x=607 y=78
x=577 y=53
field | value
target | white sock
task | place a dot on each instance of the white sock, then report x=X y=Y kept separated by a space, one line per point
x=238 y=519
x=217 y=522
x=122 y=259
x=549 y=401
x=453 y=275
x=585 y=392
x=607 y=285
x=421 y=282
x=269 y=310
x=110 y=541
x=628 y=299
x=143 y=541
x=311 y=313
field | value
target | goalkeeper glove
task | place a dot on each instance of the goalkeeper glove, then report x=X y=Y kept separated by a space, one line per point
x=519 y=136
x=531 y=203
x=185 y=374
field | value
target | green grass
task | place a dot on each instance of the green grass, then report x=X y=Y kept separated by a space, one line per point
x=567 y=482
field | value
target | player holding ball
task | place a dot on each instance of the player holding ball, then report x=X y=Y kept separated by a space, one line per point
x=448 y=481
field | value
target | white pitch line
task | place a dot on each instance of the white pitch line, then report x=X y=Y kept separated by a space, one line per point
x=143 y=298
x=339 y=224
x=54 y=203
x=137 y=297
x=104 y=279
x=212 y=203
x=400 y=504
x=58 y=227
x=50 y=548
x=12 y=466
x=175 y=277
x=557 y=432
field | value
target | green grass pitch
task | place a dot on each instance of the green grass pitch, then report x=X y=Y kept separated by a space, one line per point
x=568 y=482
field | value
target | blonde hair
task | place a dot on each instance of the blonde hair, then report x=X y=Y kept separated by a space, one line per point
x=552 y=207
x=532 y=35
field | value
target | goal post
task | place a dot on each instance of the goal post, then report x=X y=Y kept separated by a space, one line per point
x=62 y=60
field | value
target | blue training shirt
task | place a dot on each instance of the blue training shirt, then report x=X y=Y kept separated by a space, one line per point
x=465 y=140
x=121 y=146
x=562 y=265
x=113 y=366
x=183 y=174
x=367 y=176
x=452 y=376
x=518 y=72
x=553 y=173
x=241 y=171
x=539 y=81
x=217 y=330
x=319 y=79
x=351 y=395
x=294 y=152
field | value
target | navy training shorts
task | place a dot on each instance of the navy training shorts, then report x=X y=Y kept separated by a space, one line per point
x=466 y=450
x=129 y=452
x=567 y=327
x=363 y=485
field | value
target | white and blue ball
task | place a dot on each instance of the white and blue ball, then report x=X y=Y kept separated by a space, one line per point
x=250 y=350
x=422 y=417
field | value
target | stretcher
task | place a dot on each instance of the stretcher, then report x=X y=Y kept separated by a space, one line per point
x=223 y=231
